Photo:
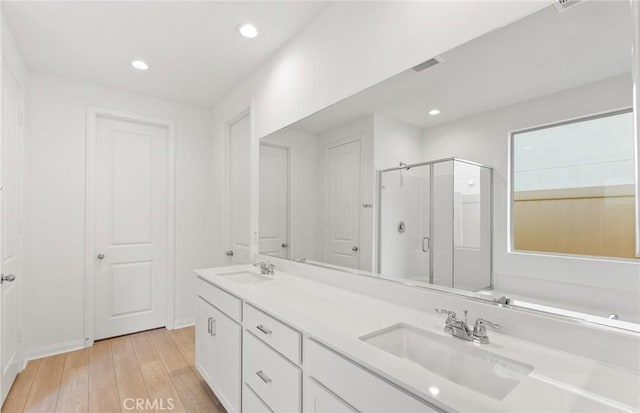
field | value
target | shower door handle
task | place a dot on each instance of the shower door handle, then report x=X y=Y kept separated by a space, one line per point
x=428 y=242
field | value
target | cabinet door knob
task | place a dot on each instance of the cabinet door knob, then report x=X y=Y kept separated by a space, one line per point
x=354 y=249
x=229 y=253
x=284 y=245
x=101 y=256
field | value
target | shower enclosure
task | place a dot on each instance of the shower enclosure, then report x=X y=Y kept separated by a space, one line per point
x=434 y=223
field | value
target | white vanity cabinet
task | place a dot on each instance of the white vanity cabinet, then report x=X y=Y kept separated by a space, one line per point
x=271 y=356
x=218 y=348
x=336 y=384
x=255 y=363
x=319 y=399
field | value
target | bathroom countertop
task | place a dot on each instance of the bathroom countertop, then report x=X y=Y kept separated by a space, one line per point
x=560 y=381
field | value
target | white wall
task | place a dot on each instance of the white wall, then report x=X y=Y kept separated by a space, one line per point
x=354 y=45
x=395 y=142
x=580 y=283
x=55 y=204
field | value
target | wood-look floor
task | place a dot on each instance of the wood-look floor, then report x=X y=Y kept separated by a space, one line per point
x=152 y=365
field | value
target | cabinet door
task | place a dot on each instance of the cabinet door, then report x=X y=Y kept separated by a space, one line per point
x=205 y=341
x=227 y=375
x=320 y=400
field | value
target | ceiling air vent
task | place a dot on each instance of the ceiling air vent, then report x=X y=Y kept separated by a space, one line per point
x=429 y=63
x=562 y=5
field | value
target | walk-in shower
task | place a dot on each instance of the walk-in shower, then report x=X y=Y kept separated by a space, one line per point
x=434 y=223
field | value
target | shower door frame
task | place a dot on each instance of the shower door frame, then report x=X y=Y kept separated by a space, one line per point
x=378 y=221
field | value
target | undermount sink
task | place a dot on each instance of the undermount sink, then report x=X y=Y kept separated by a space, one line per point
x=461 y=362
x=245 y=277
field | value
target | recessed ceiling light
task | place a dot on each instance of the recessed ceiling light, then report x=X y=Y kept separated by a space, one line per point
x=140 y=64
x=434 y=112
x=434 y=390
x=247 y=30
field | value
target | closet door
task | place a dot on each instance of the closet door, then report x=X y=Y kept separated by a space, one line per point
x=10 y=226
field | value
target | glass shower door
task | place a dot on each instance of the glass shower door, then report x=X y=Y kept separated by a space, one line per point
x=404 y=227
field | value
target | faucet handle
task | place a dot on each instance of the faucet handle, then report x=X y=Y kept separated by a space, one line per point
x=450 y=313
x=480 y=330
x=481 y=321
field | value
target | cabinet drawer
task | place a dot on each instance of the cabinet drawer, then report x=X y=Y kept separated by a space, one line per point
x=274 y=379
x=251 y=403
x=225 y=302
x=278 y=335
x=359 y=388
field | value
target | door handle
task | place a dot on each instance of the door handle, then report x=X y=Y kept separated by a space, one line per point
x=101 y=256
x=428 y=244
x=263 y=376
x=354 y=249
x=213 y=327
x=263 y=329
x=8 y=278
x=229 y=253
x=284 y=245
x=209 y=325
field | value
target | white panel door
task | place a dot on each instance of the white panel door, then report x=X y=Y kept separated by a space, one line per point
x=239 y=195
x=11 y=131
x=274 y=201
x=130 y=226
x=342 y=213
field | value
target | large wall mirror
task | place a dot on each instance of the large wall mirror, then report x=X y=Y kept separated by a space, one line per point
x=502 y=168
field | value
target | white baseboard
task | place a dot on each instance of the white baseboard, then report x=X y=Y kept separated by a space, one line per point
x=52 y=350
x=185 y=322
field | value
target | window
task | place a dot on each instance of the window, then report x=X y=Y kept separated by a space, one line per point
x=573 y=187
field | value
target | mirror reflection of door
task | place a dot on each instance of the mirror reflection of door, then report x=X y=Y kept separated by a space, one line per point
x=342 y=218
x=274 y=200
x=239 y=199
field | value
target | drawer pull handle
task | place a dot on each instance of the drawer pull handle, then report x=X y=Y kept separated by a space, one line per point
x=263 y=329
x=263 y=376
x=209 y=325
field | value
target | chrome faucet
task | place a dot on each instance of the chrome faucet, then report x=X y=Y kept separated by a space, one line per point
x=461 y=329
x=265 y=267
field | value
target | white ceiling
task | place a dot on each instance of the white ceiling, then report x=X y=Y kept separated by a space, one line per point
x=542 y=54
x=196 y=55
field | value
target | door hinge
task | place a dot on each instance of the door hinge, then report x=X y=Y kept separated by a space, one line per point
x=21 y=119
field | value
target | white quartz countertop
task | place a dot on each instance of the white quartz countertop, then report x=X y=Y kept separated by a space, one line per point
x=560 y=381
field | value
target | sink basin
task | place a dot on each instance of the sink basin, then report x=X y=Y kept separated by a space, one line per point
x=245 y=277
x=459 y=361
